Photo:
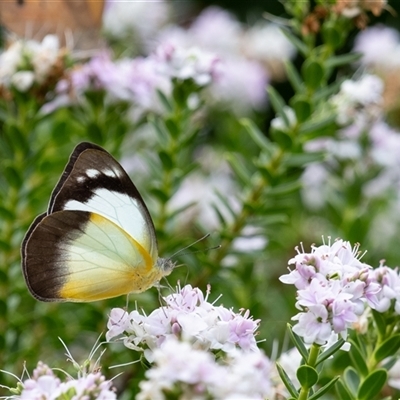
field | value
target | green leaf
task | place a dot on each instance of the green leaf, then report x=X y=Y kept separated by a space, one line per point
x=6 y=214
x=387 y=348
x=298 y=343
x=240 y=170
x=278 y=104
x=315 y=125
x=302 y=108
x=172 y=127
x=338 y=61
x=284 y=188
x=286 y=381
x=259 y=138
x=358 y=358
x=160 y=195
x=307 y=376
x=167 y=103
x=330 y=351
x=300 y=46
x=225 y=202
x=301 y=160
x=182 y=209
x=352 y=380
x=293 y=76
x=343 y=392
x=320 y=392
x=372 y=385
x=4 y=246
x=160 y=129
x=379 y=322
x=12 y=176
x=94 y=132
x=17 y=139
x=332 y=34
x=282 y=138
x=313 y=73
x=166 y=160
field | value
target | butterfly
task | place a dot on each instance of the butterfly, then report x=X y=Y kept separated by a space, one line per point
x=97 y=239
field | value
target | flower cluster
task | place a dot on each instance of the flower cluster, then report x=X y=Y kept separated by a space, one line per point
x=333 y=288
x=248 y=56
x=25 y=65
x=189 y=316
x=359 y=101
x=43 y=384
x=389 y=296
x=136 y=81
x=195 y=372
x=380 y=49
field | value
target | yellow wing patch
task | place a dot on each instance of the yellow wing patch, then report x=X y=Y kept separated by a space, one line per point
x=104 y=262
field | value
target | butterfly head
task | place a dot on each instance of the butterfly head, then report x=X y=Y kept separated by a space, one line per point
x=166 y=265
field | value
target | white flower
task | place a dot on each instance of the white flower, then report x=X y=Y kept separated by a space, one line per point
x=43 y=56
x=380 y=47
x=359 y=101
x=140 y=19
x=9 y=61
x=278 y=123
x=190 y=316
x=240 y=86
x=265 y=42
x=178 y=365
x=333 y=288
x=23 y=80
x=217 y=30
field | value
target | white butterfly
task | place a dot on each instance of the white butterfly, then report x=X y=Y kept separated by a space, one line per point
x=97 y=239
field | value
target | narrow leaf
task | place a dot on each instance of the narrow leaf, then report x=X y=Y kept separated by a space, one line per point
x=239 y=169
x=286 y=381
x=320 y=392
x=358 y=358
x=387 y=348
x=300 y=46
x=343 y=392
x=351 y=379
x=160 y=129
x=259 y=138
x=379 y=322
x=278 y=104
x=293 y=76
x=224 y=200
x=301 y=160
x=372 y=385
x=284 y=188
x=298 y=343
x=312 y=126
x=330 y=351
x=343 y=59
x=165 y=101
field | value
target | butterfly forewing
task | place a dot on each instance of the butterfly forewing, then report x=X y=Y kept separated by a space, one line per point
x=94 y=181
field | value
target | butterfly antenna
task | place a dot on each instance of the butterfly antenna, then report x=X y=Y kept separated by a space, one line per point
x=190 y=245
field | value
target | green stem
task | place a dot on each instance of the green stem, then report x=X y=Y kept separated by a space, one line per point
x=313 y=355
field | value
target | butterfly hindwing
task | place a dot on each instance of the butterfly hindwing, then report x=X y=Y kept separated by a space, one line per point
x=82 y=256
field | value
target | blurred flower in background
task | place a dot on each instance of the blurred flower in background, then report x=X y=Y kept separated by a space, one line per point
x=28 y=65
